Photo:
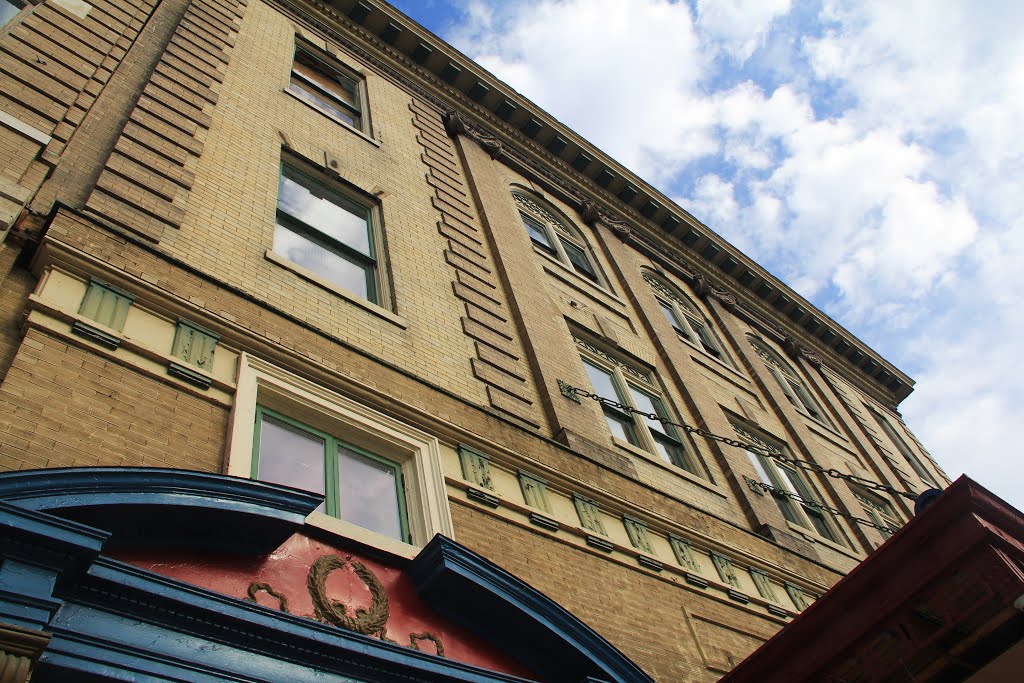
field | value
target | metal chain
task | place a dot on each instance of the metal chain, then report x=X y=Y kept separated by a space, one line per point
x=776 y=455
x=820 y=506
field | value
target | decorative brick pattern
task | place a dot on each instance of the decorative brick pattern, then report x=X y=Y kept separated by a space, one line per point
x=147 y=177
x=498 y=364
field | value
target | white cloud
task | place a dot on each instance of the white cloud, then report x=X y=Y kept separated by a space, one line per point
x=868 y=155
x=738 y=27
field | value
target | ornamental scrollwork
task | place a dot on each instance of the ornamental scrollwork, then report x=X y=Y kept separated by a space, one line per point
x=370 y=622
x=627 y=368
x=455 y=125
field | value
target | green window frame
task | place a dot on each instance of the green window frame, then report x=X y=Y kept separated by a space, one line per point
x=803 y=512
x=792 y=386
x=653 y=436
x=337 y=250
x=904 y=448
x=331 y=484
x=328 y=86
x=553 y=236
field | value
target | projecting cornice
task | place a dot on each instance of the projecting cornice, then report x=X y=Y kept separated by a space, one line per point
x=517 y=132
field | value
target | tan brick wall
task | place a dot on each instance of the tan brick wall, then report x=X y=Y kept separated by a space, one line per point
x=229 y=220
x=16 y=286
x=643 y=616
x=66 y=407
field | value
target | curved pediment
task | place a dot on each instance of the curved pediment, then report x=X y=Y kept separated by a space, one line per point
x=166 y=572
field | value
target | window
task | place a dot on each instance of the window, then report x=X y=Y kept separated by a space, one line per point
x=879 y=510
x=684 y=317
x=905 y=450
x=8 y=10
x=327 y=85
x=636 y=391
x=329 y=232
x=802 y=510
x=553 y=236
x=357 y=485
x=381 y=478
x=793 y=387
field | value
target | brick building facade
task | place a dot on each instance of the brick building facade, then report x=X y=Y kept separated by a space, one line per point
x=310 y=244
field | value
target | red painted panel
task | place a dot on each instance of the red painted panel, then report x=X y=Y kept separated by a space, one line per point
x=286 y=571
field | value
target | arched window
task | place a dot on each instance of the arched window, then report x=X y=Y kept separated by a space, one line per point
x=685 y=318
x=556 y=237
x=792 y=386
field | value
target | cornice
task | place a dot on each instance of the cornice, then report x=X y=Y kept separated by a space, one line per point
x=516 y=132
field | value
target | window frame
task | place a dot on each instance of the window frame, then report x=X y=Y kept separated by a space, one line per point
x=688 y=321
x=793 y=387
x=635 y=427
x=559 y=237
x=878 y=509
x=904 y=448
x=783 y=477
x=323 y=186
x=317 y=96
x=332 y=444
x=418 y=453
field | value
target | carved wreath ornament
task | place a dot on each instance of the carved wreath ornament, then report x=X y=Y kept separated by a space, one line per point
x=370 y=622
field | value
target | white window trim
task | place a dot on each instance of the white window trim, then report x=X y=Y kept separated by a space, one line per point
x=418 y=453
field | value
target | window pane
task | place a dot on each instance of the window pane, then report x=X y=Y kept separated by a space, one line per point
x=368 y=493
x=649 y=404
x=818 y=521
x=670 y=316
x=671 y=452
x=538 y=234
x=8 y=11
x=759 y=467
x=621 y=426
x=328 y=212
x=290 y=456
x=578 y=259
x=602 y=381
x=297 y=247
x=323 y=86
x=706 y=340
x=806 y=399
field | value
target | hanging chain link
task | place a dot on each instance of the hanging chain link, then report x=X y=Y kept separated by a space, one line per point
x=572 y=391
x=775 y=491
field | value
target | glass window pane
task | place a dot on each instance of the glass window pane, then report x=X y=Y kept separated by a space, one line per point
x=649 y=404
x=368 y=493
x=328 y=212
x=8 y=11
x=300 y=249
x=621 y=426
x=290 y=456
x=538 y=234
x=602 y=382
x=786 y=478
x=671 y=452
x=578 y=259
x=818 y=521
x=759 y=467
x=318 y=83
x=706 y=340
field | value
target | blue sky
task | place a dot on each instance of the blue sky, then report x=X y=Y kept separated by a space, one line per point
x=869 y=154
